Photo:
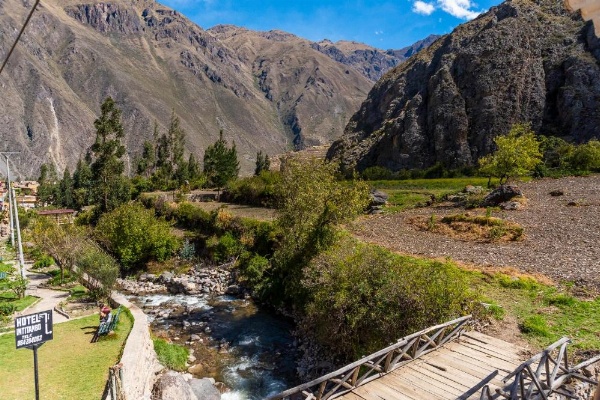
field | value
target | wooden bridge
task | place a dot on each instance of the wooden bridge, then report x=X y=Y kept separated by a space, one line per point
x=448 y=362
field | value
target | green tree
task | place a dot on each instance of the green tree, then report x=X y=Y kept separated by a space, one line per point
x=145 y=164
x=312 y=204
x=517 y=154
x=100 y=267
x=107 y=168
x=134 y=235
x=66 y=188
x=220 y=163
x=263 y=163
x=586 y=157
x=82 y=183
x=48 y=190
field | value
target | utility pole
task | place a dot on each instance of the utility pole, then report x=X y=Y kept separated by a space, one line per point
x=14 y=213
x=7 y=155
x=21 y=259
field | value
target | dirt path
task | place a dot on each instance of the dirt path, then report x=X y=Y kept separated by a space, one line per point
x=562 y=241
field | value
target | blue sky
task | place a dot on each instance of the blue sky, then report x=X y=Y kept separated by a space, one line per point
x=384 y=24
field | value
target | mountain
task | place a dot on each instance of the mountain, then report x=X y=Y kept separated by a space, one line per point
x=268 y=91
x=523 y=61
x=370 y=61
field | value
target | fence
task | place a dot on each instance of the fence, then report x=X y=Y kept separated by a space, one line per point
x=377 y=364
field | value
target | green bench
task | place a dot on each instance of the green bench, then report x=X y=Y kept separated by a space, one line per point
x=108 y=325
x=3 y=275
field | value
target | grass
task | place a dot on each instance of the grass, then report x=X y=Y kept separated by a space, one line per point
x=171 y=355
x=20 y=304
x=543 y=312
x=470 y=227
x=70 y=367
x=404 y=194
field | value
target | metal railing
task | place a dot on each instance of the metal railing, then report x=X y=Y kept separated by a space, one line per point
x=377 y=364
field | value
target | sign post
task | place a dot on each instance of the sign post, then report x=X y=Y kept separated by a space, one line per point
x=31 y=331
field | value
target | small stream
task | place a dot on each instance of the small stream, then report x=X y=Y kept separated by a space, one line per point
x=235 y=342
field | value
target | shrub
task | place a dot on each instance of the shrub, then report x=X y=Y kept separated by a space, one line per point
x=44 y=261
x=171 y=355
x=526 y=283
x=376 y=173
x=535 y=325
x=358 y=294
x=224 y=248
x=7 y=309
x=561 y=299
x=256 y=190
x=135 y=236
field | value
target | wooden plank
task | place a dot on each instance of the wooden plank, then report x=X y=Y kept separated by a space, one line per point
x=430 y=373
x=464 y=354
x=419 y=380
x=507 y=354
x=409 y=388
x=492 y=353
x=351 y=396
x=492 y=343
x=492 y=362
x=375 y=390
x=469 y=367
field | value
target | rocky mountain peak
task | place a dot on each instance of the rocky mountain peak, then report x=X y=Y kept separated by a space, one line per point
x=523 y=61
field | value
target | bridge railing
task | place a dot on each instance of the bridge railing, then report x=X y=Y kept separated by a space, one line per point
x=377 y=364
x=541 y=375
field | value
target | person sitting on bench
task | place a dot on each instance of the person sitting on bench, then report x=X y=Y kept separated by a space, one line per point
x=104 y=312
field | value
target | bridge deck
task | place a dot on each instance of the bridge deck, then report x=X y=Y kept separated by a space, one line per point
x=454 y=371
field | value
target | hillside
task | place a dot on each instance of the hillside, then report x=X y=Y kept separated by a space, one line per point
x=267 y=91
x=523 y=61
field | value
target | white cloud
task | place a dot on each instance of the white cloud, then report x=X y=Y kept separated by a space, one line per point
x=379 y=32
x=420 y=7
x=458 y=8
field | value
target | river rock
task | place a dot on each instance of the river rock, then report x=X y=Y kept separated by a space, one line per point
x=166 y=277
x=500 y=195
x=194 y=337
x=233 y=290
x=470 y=189
x=204 y=389
x=173 y=386
x=197 y=369
x=378 y=198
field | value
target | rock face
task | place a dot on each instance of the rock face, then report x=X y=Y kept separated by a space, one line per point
x=369 y=61
x=523 y=61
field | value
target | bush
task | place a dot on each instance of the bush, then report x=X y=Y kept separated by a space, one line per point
x=172 y=356
x=510 y=282
x=376 y=173
x=256 y=190
x=358 y=294
x=7 y=309
x=224 y=248
x=134 y=235
x=44 y=261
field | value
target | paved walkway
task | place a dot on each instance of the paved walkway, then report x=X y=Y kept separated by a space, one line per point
x=49 y=298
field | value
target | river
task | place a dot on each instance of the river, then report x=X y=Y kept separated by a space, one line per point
x=234 y=341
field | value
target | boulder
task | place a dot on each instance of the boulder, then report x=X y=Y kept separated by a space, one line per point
x=378 y=198
x=470 y=189
x=204 y=389
x=166 y=277
x=500 y=195
x=173 y=386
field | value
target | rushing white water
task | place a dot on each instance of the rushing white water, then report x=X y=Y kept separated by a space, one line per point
x=258 y=361
x=55 y=150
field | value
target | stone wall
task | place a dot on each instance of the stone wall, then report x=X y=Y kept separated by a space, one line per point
x=139 y=362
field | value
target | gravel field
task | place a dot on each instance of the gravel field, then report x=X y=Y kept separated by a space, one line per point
x=562 y=241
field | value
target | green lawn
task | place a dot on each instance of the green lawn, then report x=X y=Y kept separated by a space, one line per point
x=408 y=193
x=544 y=313
x=70 y=367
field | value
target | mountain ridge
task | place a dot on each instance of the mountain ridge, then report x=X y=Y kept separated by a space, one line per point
x=153 y=60
x=446 y=104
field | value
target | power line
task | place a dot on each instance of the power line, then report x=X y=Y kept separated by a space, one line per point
x=19 y=36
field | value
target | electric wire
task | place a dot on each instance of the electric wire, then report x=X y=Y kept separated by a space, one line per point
x=19 y=36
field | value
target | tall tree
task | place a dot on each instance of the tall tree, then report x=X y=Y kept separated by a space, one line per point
x=82 y=183
x=107 y=152
x=48 y=189
x=220 y=163
x=66 y=189
x=263 y=163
